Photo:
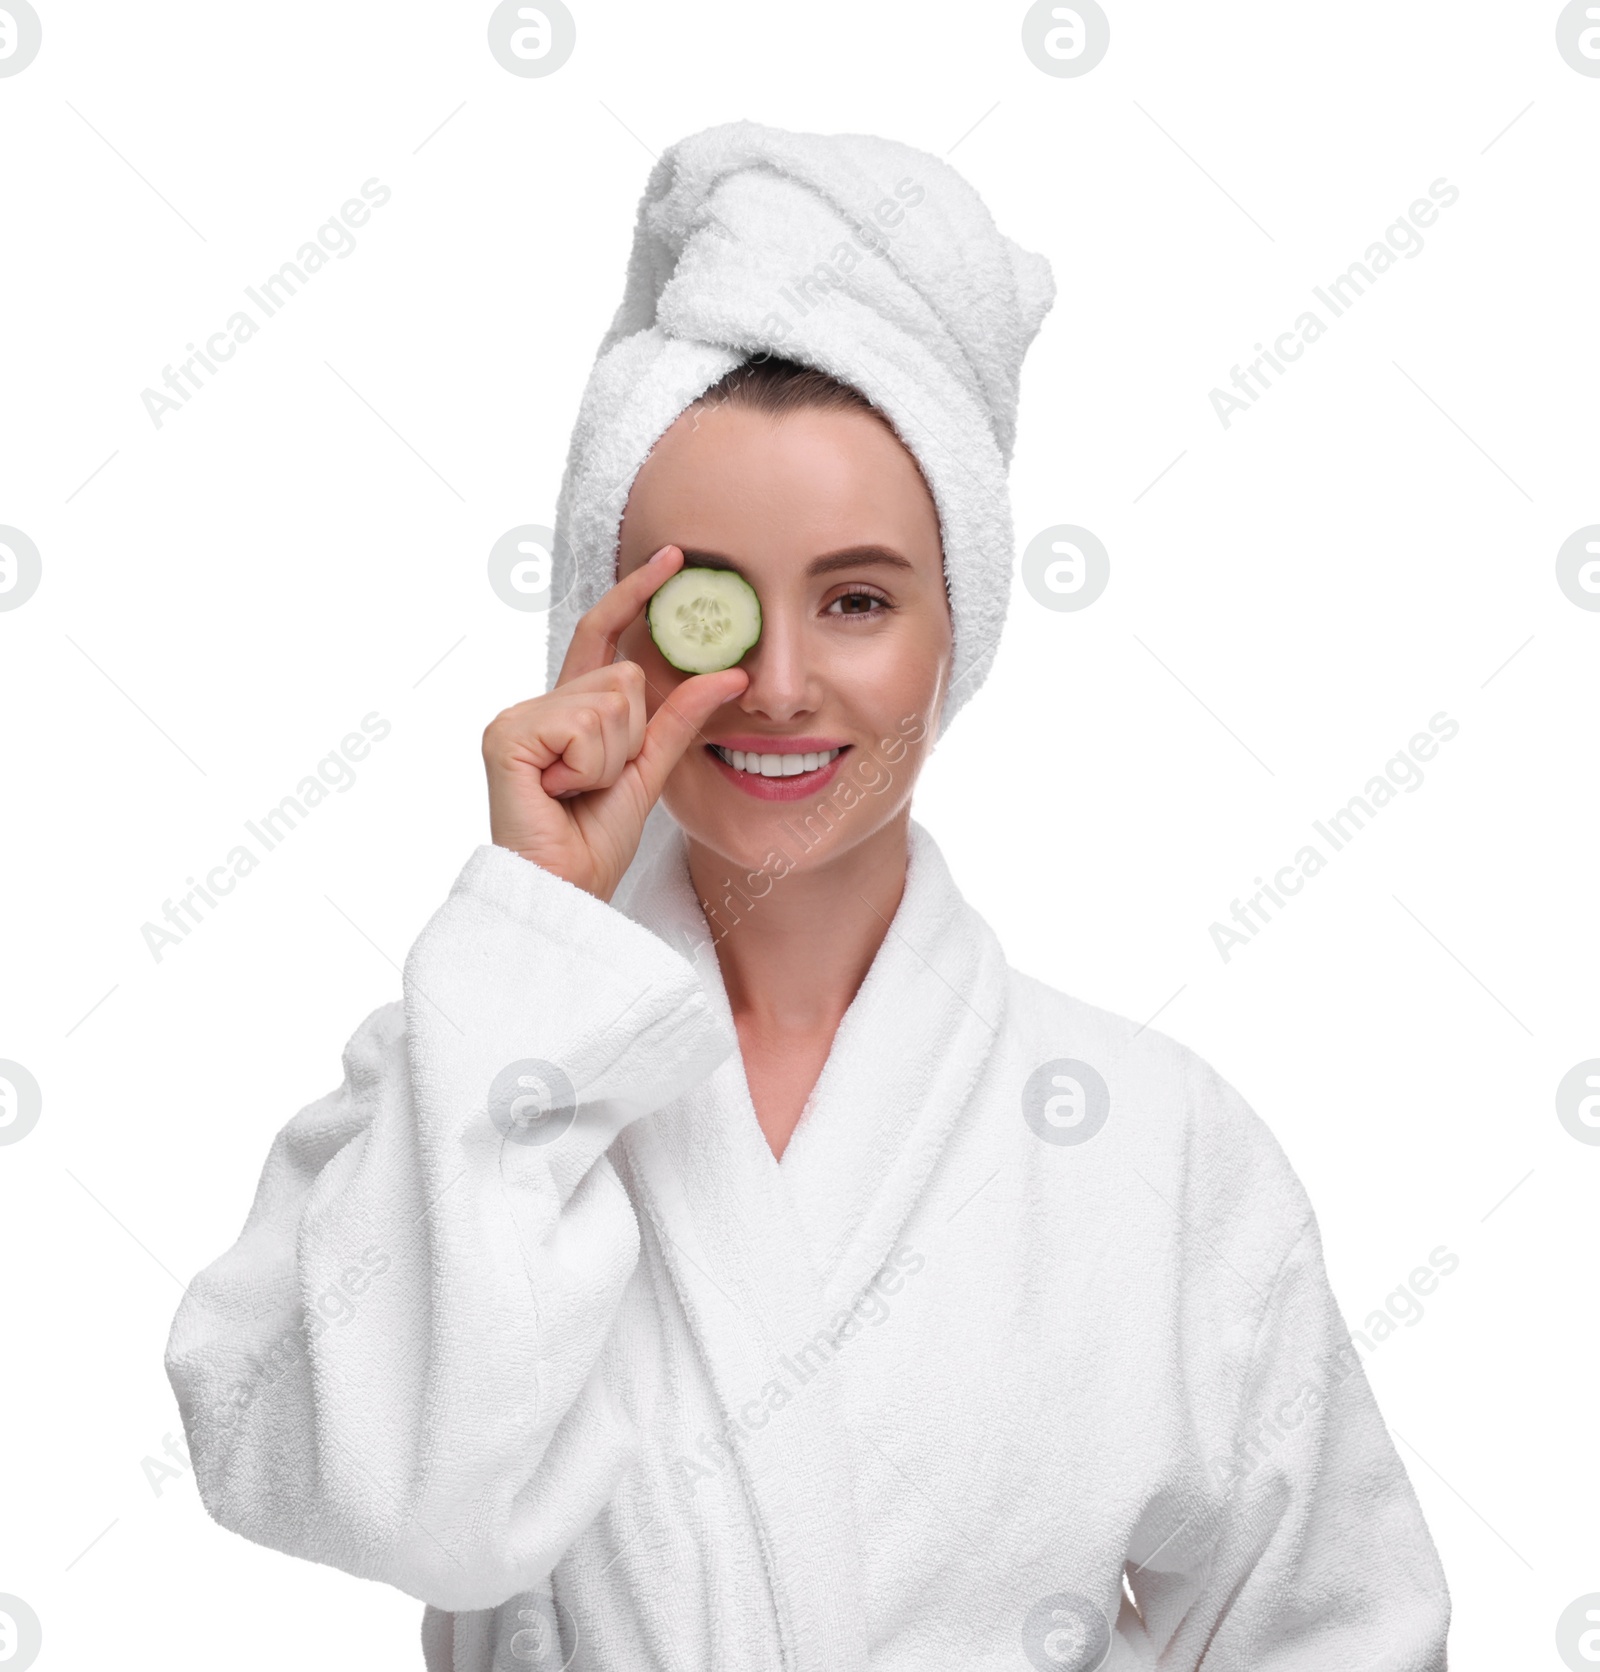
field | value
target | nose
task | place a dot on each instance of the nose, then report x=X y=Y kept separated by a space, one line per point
x=782 y=681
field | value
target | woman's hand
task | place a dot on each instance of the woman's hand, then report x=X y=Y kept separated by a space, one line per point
x=572 y=774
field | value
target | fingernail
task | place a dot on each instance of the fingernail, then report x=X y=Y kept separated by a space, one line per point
x=661 y=554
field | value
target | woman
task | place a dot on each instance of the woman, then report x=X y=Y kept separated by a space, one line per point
x=720 y=1258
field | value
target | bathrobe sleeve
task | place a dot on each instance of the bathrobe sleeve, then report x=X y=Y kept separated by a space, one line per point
x=395 y=1369
x=1321 y=1560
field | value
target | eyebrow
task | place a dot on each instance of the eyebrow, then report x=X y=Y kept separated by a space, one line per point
x=851 y=557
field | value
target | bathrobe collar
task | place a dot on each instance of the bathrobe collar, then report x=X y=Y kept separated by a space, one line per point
x=767 y=1256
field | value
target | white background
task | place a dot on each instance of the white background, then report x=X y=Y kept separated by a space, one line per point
x=1290 y=601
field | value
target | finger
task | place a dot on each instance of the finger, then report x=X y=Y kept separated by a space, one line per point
x=603 y=754
x=627 y=680
x=677 y=722
x=580 y=748
x=634 y=686
x=594 y=639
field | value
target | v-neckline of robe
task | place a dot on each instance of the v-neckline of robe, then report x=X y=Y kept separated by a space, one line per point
x=898 y=1070
x=766 y=1257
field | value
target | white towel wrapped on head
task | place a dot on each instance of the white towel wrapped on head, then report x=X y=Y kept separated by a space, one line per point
x=870 y=260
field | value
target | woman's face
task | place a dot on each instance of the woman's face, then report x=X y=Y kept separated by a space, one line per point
x=826 y=515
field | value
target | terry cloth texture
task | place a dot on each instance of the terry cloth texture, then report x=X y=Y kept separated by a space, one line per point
x=1032 y=1305
x=865 y=258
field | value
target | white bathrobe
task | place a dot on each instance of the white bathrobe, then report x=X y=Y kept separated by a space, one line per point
x=1023 y=1354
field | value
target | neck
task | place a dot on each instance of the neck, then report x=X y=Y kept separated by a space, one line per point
x=793 y=958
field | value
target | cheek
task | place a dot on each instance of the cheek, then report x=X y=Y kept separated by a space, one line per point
x=917 y=685
x=634 y=641
x=904 y=667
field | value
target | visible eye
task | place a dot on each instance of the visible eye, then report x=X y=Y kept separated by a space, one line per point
x=860 y=600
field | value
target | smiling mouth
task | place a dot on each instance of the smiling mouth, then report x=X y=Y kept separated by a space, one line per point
x=775 y=765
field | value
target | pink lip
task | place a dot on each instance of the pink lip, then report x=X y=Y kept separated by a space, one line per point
x=794 y=788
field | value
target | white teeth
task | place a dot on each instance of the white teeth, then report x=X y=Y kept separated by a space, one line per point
x=775 y=766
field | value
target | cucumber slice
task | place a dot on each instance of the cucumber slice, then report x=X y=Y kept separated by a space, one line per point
x=704 y=620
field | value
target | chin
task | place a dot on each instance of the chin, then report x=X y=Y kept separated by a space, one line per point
x=749 y=838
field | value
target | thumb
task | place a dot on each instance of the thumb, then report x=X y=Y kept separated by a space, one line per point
x=676 y=723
